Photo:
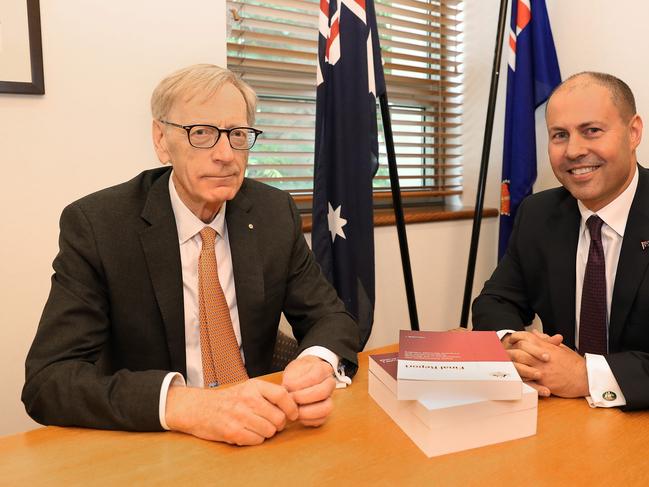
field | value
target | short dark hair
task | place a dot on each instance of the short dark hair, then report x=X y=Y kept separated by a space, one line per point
x=620 y=92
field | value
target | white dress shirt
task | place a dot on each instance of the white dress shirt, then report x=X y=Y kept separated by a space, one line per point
x=614 y=215
x=189 y=226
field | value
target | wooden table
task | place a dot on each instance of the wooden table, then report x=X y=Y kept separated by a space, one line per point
x=359 y=445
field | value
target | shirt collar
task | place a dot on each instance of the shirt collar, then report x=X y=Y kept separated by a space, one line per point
x=616 y=213
x=189 y=224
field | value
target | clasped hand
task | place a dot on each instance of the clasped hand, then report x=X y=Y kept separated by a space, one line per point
x=252 y=411
x=546 y=364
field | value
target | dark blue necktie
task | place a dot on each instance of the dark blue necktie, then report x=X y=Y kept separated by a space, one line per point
x=592 y=317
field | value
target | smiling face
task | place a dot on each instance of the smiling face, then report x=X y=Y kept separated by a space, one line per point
x=590 y=144
x=204 y=178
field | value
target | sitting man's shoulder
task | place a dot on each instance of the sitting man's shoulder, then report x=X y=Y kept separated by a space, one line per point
x=261 y=192
x=137 y=187
x=251 y=186
x=124 y=200
x=549 y=199
x=552 y=195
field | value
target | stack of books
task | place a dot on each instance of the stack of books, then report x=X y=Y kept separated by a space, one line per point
x=451 y=391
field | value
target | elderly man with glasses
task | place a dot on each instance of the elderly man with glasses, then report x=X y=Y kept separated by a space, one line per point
x=168 y=289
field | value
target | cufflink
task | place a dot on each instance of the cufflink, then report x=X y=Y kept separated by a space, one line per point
x=609 y=396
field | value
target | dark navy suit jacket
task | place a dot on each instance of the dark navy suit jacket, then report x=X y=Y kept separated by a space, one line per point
x=537 y=276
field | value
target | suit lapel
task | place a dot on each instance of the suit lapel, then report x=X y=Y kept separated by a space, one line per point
x=633 y=261
x=162 y=254
x=247 y=266
x=563 y=230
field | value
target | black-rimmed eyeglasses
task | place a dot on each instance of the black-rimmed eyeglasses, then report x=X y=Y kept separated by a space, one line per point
x=206 y=136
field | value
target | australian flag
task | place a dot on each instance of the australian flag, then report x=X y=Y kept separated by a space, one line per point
x=350 y=78
x=532 y=75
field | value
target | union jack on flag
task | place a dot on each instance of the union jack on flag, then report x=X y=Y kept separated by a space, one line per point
x=532 y=75
x=349 y=79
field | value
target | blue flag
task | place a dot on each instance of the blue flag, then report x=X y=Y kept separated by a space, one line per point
x=350 y=78
x=532 y=75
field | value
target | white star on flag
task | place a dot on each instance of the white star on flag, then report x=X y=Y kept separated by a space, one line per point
x=336 y=223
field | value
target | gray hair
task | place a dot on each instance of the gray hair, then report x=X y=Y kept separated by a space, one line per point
x=198 y=80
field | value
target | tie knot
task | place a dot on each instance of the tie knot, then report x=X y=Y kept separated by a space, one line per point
x=208 y=234
x=594 y=224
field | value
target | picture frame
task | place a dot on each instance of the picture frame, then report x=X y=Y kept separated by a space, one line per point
x=21 y=49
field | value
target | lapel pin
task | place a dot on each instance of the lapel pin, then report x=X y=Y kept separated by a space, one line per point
x=644 y=244
x=251 y=226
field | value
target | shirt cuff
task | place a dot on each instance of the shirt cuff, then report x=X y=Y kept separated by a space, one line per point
x=604 y=390
x=501 y=333
x=171 y=379
x=328 y=356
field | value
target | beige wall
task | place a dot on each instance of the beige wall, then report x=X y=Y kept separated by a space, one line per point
x=91 y=129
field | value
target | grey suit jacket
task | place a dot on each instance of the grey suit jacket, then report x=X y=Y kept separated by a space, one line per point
x=113 y=325
x=537 y=276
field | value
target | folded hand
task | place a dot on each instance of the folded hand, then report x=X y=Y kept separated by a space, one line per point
x=310 y=382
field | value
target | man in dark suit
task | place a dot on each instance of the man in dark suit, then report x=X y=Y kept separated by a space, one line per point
x=578 y=256
x=124 y=340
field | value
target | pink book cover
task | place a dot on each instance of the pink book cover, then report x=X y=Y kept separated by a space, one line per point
x=388 y=362
x=451 y=346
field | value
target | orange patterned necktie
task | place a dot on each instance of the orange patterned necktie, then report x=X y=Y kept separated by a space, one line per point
x=222 y=363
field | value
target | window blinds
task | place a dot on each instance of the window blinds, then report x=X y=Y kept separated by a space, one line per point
x=273 y=46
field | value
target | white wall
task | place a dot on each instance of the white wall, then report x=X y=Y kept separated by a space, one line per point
x=91 y=129
x=604 y=36
x=591 y=35
x=438 y=252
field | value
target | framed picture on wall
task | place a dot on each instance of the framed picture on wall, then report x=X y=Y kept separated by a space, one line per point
x=21 y=49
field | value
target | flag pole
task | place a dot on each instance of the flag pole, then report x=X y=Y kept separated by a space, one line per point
x=484 y=164
x=398 y=212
